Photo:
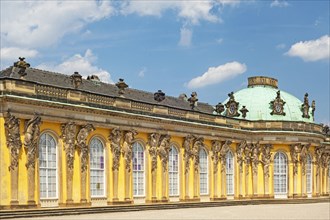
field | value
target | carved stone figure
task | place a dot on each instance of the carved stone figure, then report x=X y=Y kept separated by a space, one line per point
x=305 y=107
x=248 y=157
x=153 y=144
x=232 y=106
x=223 y=152
x=216 y=147
x=164 y=150
x=121 y=85
x=277 y=105
x=198 y=144
x=31 y=136
x=115 y=138
x=76 y=79
x=159 y=96
x=219 y=108
x=13 y=139
x=255 y=157
x=82 y=144
x=69 y=137
x=22 y=66
x=325 y=130
x=313 y=108
x=193 y=100
x=303 y=157
x=295 y=149
x=240 y=154
x=244 y=110
x=318 y=159
x=266 y=158
x=187 y=151
x=127 y=148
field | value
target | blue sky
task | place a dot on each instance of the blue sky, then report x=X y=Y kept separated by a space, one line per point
x=207 y=46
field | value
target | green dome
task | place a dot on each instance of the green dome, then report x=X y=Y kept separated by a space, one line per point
x=257 y=100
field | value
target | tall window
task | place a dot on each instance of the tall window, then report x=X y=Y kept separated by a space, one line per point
x=280 y=174
x=173 y=169
x=309 y=174
x=203 y=172
x=138 y=169
x=230 y=173
x=97 y=183
x=47 y=166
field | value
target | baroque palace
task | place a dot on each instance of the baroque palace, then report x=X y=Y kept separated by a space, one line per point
x=68 y=141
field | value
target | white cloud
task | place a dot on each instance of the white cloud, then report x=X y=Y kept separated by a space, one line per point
x=9 y=55
x=280 y=46
x=142 y=72
x=78 y=63
x=190 y=11
x=217 y=74
x=36 y=24
x=219 y=41
x=280 y=4
x=185 y=37
x=312 y=50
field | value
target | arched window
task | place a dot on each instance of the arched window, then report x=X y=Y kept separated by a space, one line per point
x=230 y=173
x=47 y=166
x=203 y=172
x=138 y=169
x=173 y=172
x=280 y=174
x=97 y=172
x=309 y=174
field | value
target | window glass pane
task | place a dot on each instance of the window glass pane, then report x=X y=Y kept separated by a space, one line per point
x=230 y=173
x=138 y=169
x=97 y=172
x=280 y=173
x=173 y=171
x=203 y=172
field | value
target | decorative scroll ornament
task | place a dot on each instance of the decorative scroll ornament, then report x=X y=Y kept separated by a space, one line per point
x=223 y=153
x=266 y=158
x=31 y=136
x=277 y=105
x=239 y=153
x=187 y=151
x=216 y=147
x=248 y=157
x=153 y=144
x=127 y=148
x=82 y=145
x=295 y=149
x=69 y=137
x=22 y=66
x=159 y=96
x=303 y=157
x=219 y=108
x=232 y=106
x=305 y=107
x=197 y=145
x=255 y=157
x=13 y=139
x=193 y=100
x=115 y=138
x=164 y=150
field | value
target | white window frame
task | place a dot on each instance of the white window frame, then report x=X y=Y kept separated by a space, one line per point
x=47 y=168
x=309 y=175
x=207 y=172
x=97 y=169
x=176 y=173
x=281 y=194
x=139 y=171
x=230 y=174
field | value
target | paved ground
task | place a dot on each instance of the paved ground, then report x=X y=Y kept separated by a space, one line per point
x=310 y=211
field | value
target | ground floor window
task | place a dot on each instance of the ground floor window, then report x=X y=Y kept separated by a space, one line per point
x=309 y=174
x=280 y=174
x=230 y=173
x=173 y=172
x=138 y=169
x=97 y=172
x=203 y=172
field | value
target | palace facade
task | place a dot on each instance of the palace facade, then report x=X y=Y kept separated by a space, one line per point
x=68 y=141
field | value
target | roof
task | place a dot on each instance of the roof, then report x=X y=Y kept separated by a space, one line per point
x=257 y=100
x=64 y=81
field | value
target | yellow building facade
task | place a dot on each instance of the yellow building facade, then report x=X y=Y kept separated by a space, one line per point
x=68 y=141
